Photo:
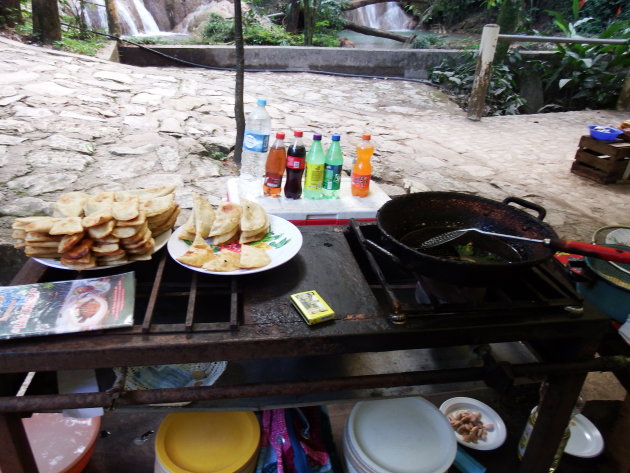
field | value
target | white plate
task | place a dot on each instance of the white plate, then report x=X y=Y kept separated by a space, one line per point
x=585 y=440
x=496 y=436
x=160 y=241
x=283 y=234
x=405 y=435
x=619 y=236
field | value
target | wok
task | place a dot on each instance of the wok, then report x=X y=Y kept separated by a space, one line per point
x=407 y=221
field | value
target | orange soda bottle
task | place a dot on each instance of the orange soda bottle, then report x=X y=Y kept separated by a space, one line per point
x=362 y=169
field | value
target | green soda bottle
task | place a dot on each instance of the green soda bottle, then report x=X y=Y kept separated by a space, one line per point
x=332 y=169
x=314 y=175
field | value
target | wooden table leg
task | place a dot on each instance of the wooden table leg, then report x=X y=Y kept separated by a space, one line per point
x=17 y=456
x=553 y=418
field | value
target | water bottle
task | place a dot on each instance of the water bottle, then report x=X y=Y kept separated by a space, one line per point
x=255 y=147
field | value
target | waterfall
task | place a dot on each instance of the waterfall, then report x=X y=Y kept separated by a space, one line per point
x=148 y=23
x=134 y=17
x=387 y=16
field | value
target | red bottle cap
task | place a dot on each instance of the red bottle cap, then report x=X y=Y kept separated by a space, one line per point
x=280 y=136
x=366 y=137
x=298 y=134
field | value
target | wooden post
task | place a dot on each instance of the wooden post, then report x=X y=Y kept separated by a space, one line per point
x=477 y=101
x=623 y=104
x=46 y=22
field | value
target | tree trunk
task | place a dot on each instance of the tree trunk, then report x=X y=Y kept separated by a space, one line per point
x=10 y=13
x=113 y=22
x=508 y=21
x=239 y=114
x=292 y=20
x=46 y=23
x=375 y=32
x=309 y=23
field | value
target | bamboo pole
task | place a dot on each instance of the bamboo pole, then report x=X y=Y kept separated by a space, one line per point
x=487 y=48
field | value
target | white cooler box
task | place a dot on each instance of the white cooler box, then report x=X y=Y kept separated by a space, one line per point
x=323 y=211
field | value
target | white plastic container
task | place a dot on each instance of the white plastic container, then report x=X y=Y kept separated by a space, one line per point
x=255 y=149
x=406 y=435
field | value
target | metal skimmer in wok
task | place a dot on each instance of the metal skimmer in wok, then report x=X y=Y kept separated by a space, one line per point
x=608 y=253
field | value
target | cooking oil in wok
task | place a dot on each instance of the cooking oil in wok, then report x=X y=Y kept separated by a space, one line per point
x=470 y=247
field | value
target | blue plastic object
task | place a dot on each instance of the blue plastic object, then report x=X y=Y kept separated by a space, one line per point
x=467 y=464
x=604 y=133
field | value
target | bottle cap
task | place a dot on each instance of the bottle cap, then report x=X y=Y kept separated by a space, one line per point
x=261 y=102
x=366 y=137
x=297 y=134
x=336 y=137
x=280 y=135
x=317 y=137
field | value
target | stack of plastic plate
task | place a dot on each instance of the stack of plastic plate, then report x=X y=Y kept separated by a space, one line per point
x=207 y=442
x=61 y=444
x=407 y=435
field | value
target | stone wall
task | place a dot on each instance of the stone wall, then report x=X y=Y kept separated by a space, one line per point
x=408 y=63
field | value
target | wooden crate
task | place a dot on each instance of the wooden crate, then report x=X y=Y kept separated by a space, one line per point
x=605 y=162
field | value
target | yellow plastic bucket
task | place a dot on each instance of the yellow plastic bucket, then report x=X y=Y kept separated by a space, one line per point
x=207 y=442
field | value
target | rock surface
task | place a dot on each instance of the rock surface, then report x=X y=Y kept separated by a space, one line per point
x=70 y=122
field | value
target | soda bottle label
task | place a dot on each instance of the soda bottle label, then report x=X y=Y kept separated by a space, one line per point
x=294 y=162
x=314 y=176
x=360 y=181
x=256 y=142
x=272 y=181
x=332 y=177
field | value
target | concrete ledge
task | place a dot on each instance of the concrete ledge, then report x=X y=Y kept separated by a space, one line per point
x=408 y=63
x=109 y=52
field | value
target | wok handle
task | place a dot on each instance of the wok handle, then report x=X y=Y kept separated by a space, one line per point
x=542 y=212
x=607 y=253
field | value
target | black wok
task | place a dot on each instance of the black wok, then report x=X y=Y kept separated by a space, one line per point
x=407 y=221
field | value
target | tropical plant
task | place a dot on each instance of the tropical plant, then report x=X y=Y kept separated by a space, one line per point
x=587 y=75
x=221 y=31
x=457 y=77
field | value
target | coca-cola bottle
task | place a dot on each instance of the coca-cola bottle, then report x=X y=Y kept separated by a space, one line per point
x=296 y=155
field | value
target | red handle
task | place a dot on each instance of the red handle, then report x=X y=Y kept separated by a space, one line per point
x=602 y=252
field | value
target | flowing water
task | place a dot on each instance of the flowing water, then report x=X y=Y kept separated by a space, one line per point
x=382 y=16
x=155 y=17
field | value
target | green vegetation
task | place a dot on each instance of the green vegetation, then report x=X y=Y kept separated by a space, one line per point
x=580 y=76
x=457 y=78
x=221 y=31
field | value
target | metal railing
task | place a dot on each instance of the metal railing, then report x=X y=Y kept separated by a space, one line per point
x=487 y=47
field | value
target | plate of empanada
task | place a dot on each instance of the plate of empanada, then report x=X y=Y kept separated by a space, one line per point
x=233 y=239
x=99 y=230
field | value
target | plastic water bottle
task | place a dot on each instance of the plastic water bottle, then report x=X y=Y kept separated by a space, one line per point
x=332 y=169
x=255 y=147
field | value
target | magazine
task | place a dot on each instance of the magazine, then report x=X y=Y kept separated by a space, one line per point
x=67 y=306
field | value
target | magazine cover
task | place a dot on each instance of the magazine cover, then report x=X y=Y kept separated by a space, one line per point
x=67 y=306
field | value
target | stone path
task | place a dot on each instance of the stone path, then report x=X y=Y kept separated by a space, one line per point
x=69 y=122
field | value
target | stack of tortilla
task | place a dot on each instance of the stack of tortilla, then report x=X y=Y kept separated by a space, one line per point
x=103 y=229
x=229 y=223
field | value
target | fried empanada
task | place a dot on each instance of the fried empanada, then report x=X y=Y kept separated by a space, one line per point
x=66 y=226
x=253 y=257
x=224 y=260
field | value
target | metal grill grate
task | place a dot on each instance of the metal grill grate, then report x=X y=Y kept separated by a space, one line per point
x=544 y=287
